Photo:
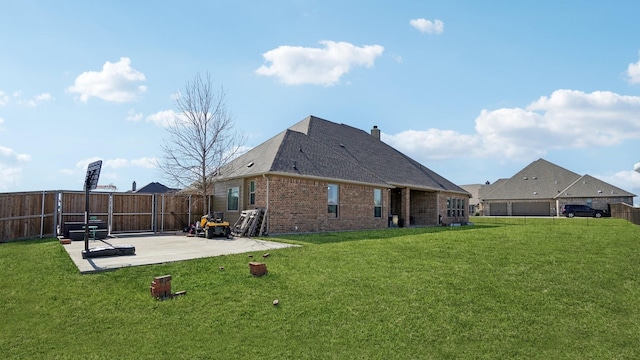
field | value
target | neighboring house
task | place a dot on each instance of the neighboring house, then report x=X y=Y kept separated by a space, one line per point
x=321 y=176
x=152 y=188
x=542 y=188
x=475 y=205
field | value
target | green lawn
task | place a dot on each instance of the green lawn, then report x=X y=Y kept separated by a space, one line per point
x=501 y=289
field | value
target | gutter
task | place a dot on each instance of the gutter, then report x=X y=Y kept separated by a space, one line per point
x=266 y=210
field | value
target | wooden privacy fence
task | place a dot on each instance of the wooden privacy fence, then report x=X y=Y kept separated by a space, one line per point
x=28 y=215
x=627 y=212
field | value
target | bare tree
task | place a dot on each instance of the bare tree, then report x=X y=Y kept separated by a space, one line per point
x=201 y=140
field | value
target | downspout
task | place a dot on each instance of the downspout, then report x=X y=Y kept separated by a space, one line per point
x=189 y=209
x=438 y=197
x=266 y=210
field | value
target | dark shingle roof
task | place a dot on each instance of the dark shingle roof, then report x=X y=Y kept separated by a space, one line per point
x=588 y=186
x=539 y=180
x=154 y=188
x=320 y=148
x=544 y=180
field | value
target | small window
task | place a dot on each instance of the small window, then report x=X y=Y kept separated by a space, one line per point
x=252 y=192
x=332 y=200
x=448 y=207
x=377 y=203
x=233 y=195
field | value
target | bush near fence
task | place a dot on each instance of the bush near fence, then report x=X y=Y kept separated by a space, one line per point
x=28 y=215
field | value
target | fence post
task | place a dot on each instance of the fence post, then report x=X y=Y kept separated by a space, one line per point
x=153 y=213
x=42 y=216
x=162 y=215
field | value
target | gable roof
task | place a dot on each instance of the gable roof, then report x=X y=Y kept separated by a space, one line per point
x=472 y=189
x=153 y=188
x=544 y=180
x=588 y=186
x=539 y=180
x=319 y=148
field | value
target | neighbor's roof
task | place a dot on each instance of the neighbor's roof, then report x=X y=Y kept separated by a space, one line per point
x=588 y=186
x=153 y=188
x=544 y=180
x=474 y=190
x=320 y=148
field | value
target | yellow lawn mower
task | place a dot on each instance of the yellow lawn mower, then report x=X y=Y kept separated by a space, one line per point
x=213 y=225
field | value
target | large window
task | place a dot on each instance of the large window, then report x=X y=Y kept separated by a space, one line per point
x=252 y=192
x=455 y=207
x=233 y=197
x=332 y=200
x=377 y=203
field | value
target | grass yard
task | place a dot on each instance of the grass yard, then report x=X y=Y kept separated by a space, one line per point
x=501 y=289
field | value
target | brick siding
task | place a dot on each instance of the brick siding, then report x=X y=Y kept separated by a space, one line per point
x=300 y=205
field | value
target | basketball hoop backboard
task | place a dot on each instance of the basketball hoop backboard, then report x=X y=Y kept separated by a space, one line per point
x=93 y=173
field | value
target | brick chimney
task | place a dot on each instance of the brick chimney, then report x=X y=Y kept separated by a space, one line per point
x=375 y=132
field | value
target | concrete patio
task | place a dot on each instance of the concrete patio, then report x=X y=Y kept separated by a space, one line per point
x=158 y=249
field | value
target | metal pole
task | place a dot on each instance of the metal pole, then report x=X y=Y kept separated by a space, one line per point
x=110 y=215
x=86 y=216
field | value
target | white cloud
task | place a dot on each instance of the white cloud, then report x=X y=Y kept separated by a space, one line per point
x=295 y=65
x=145 y=162
x=9 y=176
x=38 y=99
x=566 y=119
x=84 y=163
x=12 y=155
x=433 y=143
x=4 y=98
x=633 y=73
x=628 y=180
x=117 y=82
x=163 y=118
x=134 y=116
x=427 y=26
x=10 y=170
x=118 y=163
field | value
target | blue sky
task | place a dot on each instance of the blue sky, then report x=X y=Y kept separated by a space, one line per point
x=473 y=90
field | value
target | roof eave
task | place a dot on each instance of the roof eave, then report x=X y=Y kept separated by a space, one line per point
x=310 y=177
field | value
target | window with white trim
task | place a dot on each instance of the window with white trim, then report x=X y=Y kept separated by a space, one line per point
x=377 y=203
x=252 y=192
x=332 y=200
x=233 y=199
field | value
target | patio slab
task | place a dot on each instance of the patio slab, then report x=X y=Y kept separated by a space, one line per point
x=158 y=249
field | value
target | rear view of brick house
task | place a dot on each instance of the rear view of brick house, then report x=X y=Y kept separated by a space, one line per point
x=322 y=176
